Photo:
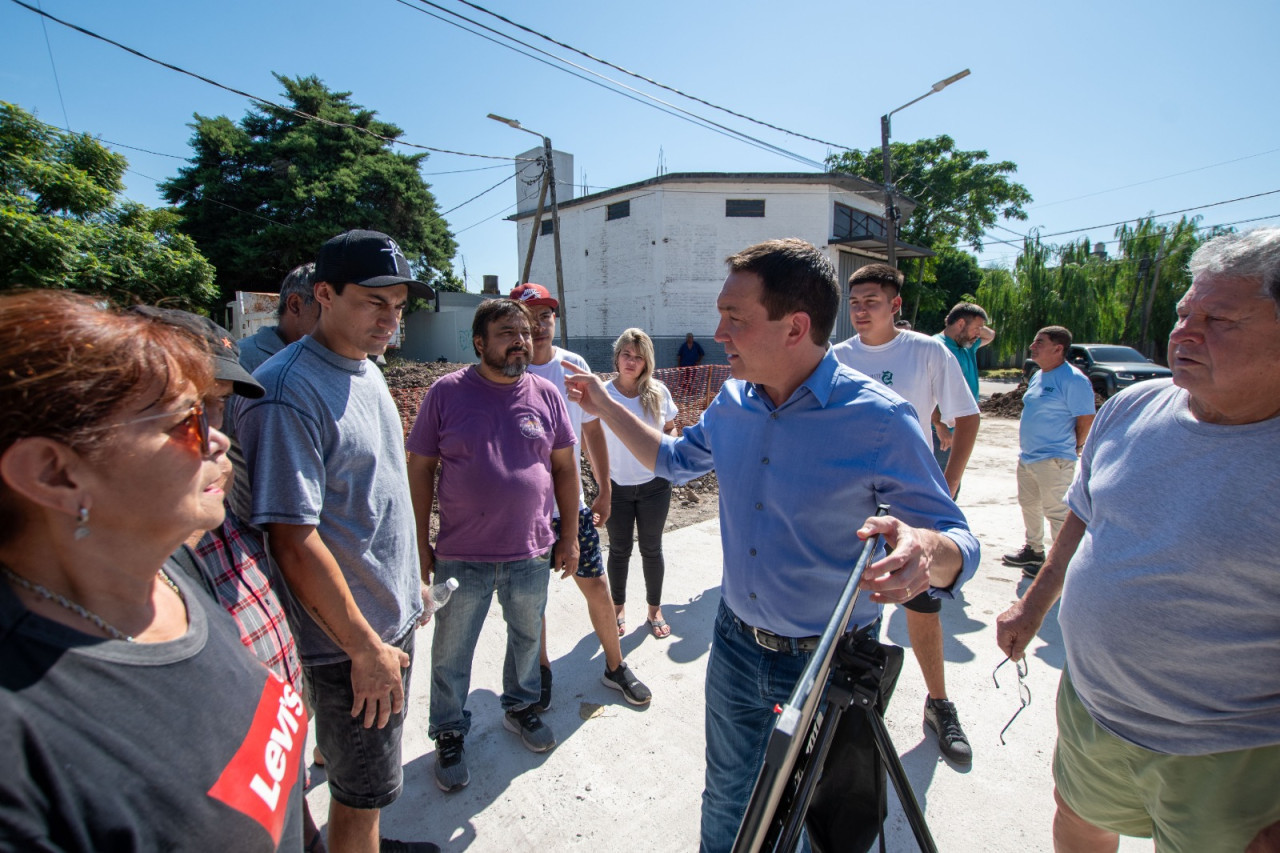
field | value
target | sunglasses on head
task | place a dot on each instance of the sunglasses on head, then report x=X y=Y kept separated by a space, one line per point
x=194 y=427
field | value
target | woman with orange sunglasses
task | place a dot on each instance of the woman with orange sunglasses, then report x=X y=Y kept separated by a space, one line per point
x=131 y=717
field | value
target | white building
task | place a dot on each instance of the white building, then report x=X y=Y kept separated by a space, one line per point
x=651 y=254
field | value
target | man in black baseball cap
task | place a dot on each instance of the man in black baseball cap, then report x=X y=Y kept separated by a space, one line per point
x=325 y=450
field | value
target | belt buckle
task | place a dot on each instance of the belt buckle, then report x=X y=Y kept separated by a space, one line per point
x=760 y=638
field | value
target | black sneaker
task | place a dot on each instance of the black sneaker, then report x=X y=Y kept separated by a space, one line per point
x=625 y=680
x=940 y=715
x=544 y=698
x=534 y=734
x=1030 y=571
x=451 y=763
x=1028 y=556
x=390 y=845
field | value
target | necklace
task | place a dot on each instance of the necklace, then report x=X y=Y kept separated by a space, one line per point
x=110 y=630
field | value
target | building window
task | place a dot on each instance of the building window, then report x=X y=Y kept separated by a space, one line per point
x=850 y=224
x=618 y=210
x=548 y=226
x=753 y=207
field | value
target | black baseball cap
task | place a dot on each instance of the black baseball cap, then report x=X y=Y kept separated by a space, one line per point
x=369 y=259
x=225 y=351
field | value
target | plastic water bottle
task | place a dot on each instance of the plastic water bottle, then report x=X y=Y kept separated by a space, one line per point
x=439 y=595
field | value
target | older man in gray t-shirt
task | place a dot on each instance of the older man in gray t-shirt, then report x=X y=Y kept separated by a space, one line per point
x=1169 y=707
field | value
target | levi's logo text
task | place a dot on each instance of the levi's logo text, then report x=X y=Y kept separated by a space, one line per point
x=530 y=426
x=262 y=774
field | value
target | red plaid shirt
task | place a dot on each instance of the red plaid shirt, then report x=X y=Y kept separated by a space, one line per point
x=235 y=555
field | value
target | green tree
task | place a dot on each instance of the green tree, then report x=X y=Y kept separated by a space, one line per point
x=960 y=197
x=259 y=197
x=62 y=224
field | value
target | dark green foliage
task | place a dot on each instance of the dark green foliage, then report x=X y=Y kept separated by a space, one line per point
x=61 y=224
x=260 y=197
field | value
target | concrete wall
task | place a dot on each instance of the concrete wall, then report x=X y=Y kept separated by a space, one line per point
x=429 y=335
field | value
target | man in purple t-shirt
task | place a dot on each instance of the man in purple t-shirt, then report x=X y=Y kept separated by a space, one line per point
x=506 y=444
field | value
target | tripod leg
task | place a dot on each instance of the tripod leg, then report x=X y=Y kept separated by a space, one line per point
x=901 y=784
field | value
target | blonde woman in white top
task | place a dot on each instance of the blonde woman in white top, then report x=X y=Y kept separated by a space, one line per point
x=640 y=500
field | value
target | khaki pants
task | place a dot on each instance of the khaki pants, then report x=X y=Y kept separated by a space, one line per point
x=1042 y=489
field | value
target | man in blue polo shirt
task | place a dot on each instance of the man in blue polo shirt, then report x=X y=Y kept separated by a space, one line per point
x=805 y=448
x=1057 y=411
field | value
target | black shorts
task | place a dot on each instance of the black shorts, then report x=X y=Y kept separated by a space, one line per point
x=924 y=603
x=362 y=765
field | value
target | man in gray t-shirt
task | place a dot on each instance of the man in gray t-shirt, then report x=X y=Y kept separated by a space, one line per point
x=1169 y=707
x=330 y=488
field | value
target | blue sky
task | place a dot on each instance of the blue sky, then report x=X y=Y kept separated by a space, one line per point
x=1110 y=110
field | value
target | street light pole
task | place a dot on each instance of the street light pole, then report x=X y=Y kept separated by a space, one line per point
x=550 y=183
x=891 y=209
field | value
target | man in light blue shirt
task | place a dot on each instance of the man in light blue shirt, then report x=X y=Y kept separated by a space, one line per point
x=1057 y=411
x=804 y=449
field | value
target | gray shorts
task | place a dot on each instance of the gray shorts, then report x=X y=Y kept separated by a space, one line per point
x=362 y=765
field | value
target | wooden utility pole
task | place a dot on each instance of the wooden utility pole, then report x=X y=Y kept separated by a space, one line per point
x=537 y=225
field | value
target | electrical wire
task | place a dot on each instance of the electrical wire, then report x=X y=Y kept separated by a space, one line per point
x=1153 y=180
x=510 y=177
x=56 y=82
x=486 y=219
x=649 y=80
x=243 y=94
x=1138 y=219
x=630 y=92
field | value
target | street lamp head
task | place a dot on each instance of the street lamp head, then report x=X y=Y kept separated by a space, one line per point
x=942 y=84
x=509 y=122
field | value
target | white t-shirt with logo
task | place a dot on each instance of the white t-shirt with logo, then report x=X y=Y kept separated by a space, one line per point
x=625 y=469
x=554 y=372
x=918 y=368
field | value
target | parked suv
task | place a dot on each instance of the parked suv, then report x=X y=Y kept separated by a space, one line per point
x=1109 y=367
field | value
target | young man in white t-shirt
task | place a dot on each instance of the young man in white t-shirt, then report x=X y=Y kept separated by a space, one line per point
x=922 y=371
x=547 y=362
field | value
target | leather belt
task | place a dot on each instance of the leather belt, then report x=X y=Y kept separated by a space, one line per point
x=778 y=643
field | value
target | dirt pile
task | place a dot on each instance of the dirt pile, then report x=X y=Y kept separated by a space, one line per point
x=1006 y=405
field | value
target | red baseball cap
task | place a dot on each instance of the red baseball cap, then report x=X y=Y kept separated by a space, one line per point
x=534 y=295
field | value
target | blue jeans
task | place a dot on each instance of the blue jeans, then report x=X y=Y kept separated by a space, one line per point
x=522 y=591
x=744 y=682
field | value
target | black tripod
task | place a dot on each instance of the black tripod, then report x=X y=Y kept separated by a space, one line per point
x=852 y=671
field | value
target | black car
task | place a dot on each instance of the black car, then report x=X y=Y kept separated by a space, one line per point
x=1109 y=367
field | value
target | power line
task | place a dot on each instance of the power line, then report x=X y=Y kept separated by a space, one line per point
x=1153 y=180
x=1137 y=219
x=234 y=91
x=204 y=198
x=630 y=92
x=56 y=82
x=510 y=177
x=649 y=80
x=143 y=150
x=998 y=258
x=486 y=219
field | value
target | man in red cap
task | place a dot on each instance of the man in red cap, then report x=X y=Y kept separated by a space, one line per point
x=547 y=362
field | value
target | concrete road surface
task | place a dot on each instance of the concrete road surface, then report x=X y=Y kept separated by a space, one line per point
x=624 y=778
